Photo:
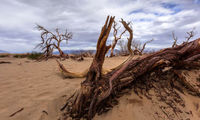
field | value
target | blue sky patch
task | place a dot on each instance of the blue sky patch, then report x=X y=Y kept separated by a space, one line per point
x=169 y=5
x=136 y=11
x=172 y=6
x=197 y=1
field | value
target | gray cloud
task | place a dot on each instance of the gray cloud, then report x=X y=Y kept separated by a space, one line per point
x=151 y=19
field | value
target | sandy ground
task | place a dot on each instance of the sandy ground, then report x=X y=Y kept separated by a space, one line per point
x=36 y=86
x=38 y=91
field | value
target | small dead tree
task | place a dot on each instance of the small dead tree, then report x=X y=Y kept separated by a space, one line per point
x=190 y=35
x=175 y=40
x=115 y=32
x=138 y=47
x=123 y=47
x=144 y=45
x=51 y=41
x=187 y=38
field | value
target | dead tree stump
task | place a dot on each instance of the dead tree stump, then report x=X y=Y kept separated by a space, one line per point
x=97 y=88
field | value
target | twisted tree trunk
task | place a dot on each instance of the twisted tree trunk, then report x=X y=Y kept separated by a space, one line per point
x=79 y=101
x=98 y=88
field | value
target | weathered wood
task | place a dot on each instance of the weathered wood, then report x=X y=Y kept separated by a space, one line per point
x=13 y=114
x=97 y=88
x=87 y=91
x=5 y=62
x=104 y=86
x=128 y=28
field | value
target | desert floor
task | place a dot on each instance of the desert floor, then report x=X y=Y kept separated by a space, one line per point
x=38 y=91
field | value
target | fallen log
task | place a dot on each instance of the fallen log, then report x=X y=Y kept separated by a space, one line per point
x=97 y=88
x=5 y=62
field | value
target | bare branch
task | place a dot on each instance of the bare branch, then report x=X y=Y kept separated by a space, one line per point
x=175 y=40
x=128 y=28
x=144 y=45
x=190 y=35
x=115 y=37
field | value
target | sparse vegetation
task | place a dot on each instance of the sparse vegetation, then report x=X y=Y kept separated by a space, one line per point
x=136 y=46
x=4 y=55
x=123 y=48
x=20 y=55
x=34 y=56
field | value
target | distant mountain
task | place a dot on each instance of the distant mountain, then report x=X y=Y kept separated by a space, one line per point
x=75 y=51
x=82 y=51
x=2 y=51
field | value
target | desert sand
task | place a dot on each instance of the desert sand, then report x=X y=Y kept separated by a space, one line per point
x=37 y=91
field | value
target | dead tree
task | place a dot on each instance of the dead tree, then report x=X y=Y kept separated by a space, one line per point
x=126 y=47
x=97 y=90
x=138 y=48
x=130 y=38
x=190 y=35
x=123 y=48
x=51 y=41
x=144 y=45
x=115 y=32
x=175 y=40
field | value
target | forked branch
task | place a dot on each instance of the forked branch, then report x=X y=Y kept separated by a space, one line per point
x=144 y=45
x=190 y=35
x=175 y=40
x=115 y=32
x=128 y=28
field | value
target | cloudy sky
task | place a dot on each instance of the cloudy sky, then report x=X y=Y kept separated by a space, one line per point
x=150 y=19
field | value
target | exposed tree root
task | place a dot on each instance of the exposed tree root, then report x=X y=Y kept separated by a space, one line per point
x=68 y=74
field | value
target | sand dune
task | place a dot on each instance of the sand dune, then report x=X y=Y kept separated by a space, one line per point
x=35 y=86
x=37 y=91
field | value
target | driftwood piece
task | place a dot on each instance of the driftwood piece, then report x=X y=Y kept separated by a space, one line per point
x=13 y=114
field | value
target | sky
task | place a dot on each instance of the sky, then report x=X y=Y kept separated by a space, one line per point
x=84 y=18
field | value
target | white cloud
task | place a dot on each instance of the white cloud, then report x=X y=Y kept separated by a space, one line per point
x=151 y=19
